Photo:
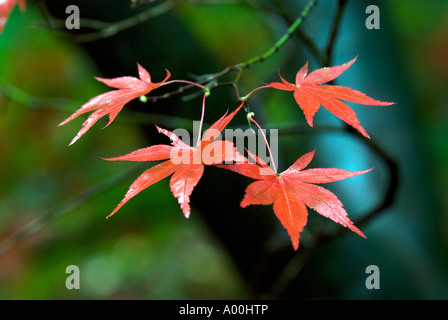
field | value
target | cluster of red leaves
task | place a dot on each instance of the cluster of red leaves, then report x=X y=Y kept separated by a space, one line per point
x=290 y=192
x=184 y=162
x=6 y=7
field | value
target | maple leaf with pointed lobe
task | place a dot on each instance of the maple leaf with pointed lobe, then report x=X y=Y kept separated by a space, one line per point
x=291 y=191
x=184 y=162
x=112 y=102
x=310 y=94
x=6 y=7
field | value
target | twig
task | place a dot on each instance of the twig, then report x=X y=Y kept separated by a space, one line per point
x=50 y=103
x=109 y=29
x=42 y=221
x=334 y=31
x=239 y=67
x=115 y=27
x=280 y=42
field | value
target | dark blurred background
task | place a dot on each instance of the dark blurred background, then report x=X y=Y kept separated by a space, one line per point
x=54 y=198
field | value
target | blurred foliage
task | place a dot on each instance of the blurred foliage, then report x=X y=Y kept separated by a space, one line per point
x=149 y=250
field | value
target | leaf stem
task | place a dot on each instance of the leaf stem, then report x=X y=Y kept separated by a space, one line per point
x=206 y=94
x=250 y=117
x=334 y=31
x=64 y=208
x=250 y=93
x=239 y=67
x=206 y=90
x=202 y=120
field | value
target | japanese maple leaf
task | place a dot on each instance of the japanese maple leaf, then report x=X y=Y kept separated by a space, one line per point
x=6 y=7
x=291 y=191
x=112 y=102
x=310 y=94
x=184 y=162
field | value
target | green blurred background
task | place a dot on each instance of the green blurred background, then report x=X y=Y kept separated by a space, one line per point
x=54 y=198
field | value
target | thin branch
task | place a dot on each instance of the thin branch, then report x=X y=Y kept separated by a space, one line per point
x=109 y=29
x=116 y=27
x=334 y=31
x=392 y=167
x=45 y=219
x=280 y=42
x=209 y=80
x=25 y=99
x=17 y=95
x=239 y=67
x=139 y=3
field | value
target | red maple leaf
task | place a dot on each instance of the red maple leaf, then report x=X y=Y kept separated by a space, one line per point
x=185 y=163
x=112 y=102
x=6 y=7
x=291 y=191
x=310 y=94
